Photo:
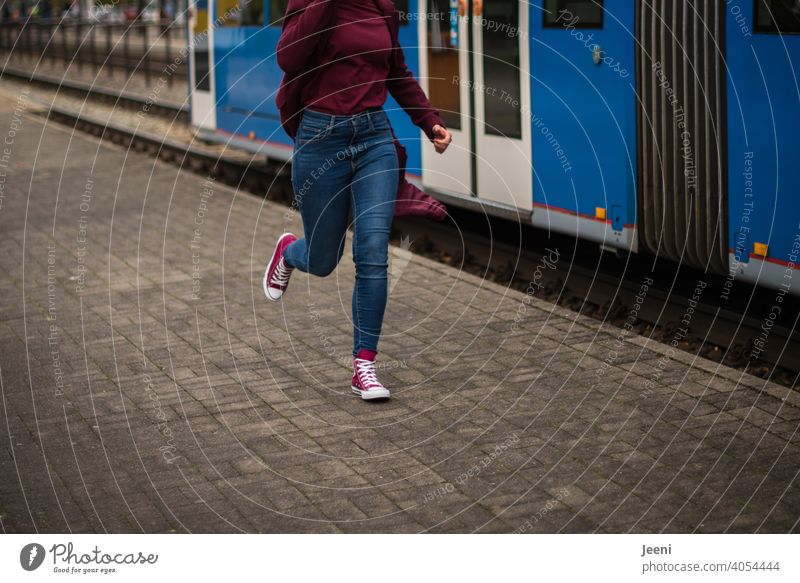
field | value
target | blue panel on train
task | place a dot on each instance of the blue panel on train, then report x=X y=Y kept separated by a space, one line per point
x=763 y=137
x=583 y=108
x=247 y=77
x=405 y=131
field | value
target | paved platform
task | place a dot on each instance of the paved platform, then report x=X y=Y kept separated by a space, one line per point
x=148 y=387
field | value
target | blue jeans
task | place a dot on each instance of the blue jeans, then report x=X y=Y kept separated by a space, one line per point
x=340 y=161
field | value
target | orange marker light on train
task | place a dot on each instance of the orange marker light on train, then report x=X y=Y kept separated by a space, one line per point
x=760 y=249
x=600 y=213
x=252 y=136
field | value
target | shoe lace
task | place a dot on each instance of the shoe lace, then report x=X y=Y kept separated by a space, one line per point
x=365 y=369
x=281 y=274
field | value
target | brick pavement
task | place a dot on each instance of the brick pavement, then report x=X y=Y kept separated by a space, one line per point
x=147 y=385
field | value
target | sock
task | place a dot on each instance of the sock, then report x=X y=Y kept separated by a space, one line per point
x=366 y=354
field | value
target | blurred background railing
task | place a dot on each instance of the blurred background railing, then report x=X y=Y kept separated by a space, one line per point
x=119 y=40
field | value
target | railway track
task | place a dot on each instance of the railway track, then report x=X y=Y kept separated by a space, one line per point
x=599 y=284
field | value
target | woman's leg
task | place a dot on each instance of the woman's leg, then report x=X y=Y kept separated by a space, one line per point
x=374 y=190
x=320 y=179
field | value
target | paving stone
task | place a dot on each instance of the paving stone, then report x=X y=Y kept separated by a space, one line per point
x=225 y=413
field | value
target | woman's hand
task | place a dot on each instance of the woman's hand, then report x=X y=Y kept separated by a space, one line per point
x=441 y=138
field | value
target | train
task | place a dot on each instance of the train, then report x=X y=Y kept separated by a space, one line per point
x=654 y=126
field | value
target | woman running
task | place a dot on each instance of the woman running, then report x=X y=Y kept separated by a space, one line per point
x=341 y=58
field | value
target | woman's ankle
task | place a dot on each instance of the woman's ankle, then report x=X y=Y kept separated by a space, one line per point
x=366 y=354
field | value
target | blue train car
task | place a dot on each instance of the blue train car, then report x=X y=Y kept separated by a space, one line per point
x=763 y=139
x=658 y=127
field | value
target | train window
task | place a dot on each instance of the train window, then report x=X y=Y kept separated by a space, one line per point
x=443 y=90
x=240 y=12
x=277 y=10
x=781 y=16
x=573 y=14
x=501 y=115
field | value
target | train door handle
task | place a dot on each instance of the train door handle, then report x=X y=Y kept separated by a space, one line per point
x=477 y=7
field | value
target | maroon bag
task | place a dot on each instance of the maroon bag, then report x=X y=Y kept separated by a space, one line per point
x=411 y=201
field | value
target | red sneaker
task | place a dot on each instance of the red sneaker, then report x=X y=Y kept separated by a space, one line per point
x=365 y=381
x=276 y=277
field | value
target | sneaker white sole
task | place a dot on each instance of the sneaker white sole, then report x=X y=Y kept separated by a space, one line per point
x=272 y=294
x=372 y=393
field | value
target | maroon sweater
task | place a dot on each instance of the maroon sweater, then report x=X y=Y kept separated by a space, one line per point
x=318 y=51
x=355 y=64
x=302 y=46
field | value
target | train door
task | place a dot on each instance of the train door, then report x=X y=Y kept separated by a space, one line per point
x=474 y=67
x=584 y=118
x=201 y=71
